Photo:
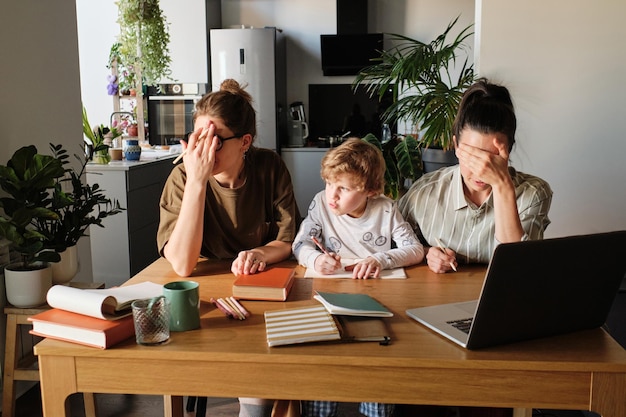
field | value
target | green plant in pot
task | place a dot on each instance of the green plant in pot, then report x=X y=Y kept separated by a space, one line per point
x=77 y=206
x=143 y=47
x=94 y=139
x=421 y=76
x=27 y=179
x=402 y=160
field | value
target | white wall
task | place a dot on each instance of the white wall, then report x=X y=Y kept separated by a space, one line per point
x=303 y=22
x=40 y=84
x=565 y=64
x=97 y=32
x=39 y=89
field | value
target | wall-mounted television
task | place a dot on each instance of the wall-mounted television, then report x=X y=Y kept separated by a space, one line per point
x=335 y=109
x=347 y=54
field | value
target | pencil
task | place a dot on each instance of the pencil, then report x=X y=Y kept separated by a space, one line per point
x=229 y=303
x=179 y=157
x=443 y=249
x=226 y=307
x=319 y=245
x=239 y=306
x=221 y=308
x=238 y=314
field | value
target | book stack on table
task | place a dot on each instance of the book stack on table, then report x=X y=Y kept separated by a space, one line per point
x=340 y=317
x=94 y=317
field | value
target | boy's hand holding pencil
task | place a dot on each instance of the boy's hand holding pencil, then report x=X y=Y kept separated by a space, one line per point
x=327 y=263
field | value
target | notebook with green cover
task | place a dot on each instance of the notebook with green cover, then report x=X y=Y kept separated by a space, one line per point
x=351 y=304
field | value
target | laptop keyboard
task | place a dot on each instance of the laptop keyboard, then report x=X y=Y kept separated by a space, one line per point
x=462 y=324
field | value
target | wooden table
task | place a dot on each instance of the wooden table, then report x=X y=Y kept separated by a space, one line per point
x=230 y=358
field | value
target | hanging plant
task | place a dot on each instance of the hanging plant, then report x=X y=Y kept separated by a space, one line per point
x=144 y=40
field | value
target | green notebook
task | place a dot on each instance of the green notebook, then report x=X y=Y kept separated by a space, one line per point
x=352 y=304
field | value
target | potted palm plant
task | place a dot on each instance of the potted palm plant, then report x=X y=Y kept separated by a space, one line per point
x=402 y=161
x=427 y=94
x=27 y=179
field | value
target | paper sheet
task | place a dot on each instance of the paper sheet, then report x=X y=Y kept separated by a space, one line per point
x=396 y=273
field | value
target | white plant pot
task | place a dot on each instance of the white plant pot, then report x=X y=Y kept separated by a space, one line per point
x=65 y=270
x=26 y=289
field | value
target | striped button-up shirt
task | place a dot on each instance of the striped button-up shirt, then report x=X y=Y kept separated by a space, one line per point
x=436 y=207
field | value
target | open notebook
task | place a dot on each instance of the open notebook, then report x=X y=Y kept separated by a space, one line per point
x=396 y=273
x=536 y=289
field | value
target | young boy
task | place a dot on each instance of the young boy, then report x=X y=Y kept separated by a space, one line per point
x=352 y=219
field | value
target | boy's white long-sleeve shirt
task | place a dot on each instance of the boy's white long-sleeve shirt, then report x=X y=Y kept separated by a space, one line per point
x=381 y=232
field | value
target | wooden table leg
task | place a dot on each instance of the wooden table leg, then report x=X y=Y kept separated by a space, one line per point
x=522 y=412
x=10 y=362
x=90 y=404
x=607 y=394
x=172 y=406
x=58 y=381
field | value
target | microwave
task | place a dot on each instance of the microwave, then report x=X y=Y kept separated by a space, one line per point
x=170 y=111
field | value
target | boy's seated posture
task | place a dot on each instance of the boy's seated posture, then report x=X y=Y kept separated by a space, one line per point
x=352 y=219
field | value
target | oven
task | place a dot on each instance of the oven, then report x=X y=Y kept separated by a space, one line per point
x=170 y=111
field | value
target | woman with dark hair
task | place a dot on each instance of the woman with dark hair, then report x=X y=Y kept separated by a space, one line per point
x=472 y=207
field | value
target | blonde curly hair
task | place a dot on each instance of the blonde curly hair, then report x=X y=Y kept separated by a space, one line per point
x=360 y=159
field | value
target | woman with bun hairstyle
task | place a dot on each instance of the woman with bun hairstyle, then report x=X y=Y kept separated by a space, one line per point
x=228 y=199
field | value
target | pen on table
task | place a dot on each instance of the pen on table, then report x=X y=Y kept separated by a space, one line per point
x=239 y=306
x=443 y=249
x=222 y=308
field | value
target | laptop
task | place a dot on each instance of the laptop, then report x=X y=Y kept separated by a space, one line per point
x=536 y=289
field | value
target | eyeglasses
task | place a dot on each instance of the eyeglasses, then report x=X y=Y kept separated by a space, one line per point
x=219 y=138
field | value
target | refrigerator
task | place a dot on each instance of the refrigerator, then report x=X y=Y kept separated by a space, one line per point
x=255 y=57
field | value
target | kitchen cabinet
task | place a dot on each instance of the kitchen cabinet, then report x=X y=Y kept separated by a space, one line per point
x=304 y=166
x=127 y=242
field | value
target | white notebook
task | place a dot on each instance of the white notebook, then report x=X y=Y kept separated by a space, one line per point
x=396 y=273
x=300 y=325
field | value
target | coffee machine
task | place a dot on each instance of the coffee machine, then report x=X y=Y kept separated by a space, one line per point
x=298 y=129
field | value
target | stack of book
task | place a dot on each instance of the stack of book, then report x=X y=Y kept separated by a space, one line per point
x=341 y=317
x=100 y=318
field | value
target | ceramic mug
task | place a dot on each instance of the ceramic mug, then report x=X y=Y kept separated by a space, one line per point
x=184 y=299
x=116 y=154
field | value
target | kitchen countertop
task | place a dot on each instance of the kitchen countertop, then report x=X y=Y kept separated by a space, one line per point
x=147 y=156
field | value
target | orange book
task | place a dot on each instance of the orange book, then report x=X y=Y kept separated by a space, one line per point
x=78 y=328
x=272 y=284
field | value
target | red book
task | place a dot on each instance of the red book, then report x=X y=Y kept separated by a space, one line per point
x=272 y=284
x=78 y=328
